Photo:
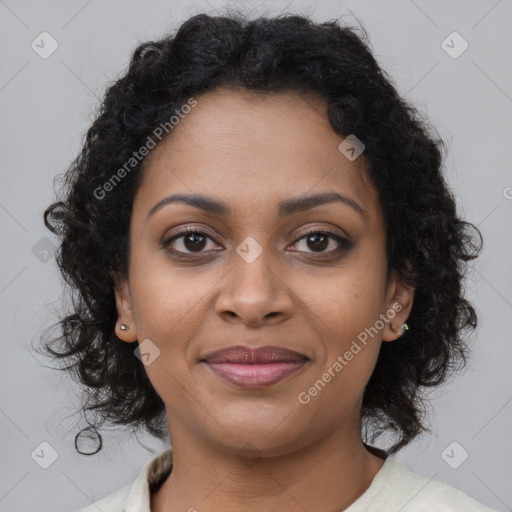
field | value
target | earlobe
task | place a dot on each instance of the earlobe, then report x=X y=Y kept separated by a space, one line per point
x=399 y=309
x=125 y=328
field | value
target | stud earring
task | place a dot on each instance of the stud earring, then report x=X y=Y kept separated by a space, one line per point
x=404 y=328
x=123 y=327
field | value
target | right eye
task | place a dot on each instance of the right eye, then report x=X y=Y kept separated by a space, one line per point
x=191 y=239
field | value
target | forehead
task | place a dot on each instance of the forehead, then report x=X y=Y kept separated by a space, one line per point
x=248 y=148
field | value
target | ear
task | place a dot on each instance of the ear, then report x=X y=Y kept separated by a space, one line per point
x=124 y=311
x=399 y=303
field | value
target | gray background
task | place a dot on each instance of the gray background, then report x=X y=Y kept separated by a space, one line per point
x=46 y=106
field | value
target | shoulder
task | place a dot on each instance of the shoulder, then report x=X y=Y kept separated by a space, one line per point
x=137 y=495
x=418 y=493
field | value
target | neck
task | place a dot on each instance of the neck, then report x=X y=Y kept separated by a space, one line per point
x=328 y=475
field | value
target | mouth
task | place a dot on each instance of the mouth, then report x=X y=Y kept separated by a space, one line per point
x=249 y=368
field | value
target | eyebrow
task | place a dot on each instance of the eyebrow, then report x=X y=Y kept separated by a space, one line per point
x=285 y=208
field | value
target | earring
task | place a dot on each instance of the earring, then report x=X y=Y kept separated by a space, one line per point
x=404 y=328
x=123 y=327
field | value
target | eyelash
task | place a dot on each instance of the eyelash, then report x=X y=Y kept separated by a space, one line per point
x=344 y=243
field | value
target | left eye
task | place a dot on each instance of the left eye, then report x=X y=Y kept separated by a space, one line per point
x=318 y=241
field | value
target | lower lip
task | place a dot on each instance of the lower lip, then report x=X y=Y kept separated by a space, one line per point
x=255 y=375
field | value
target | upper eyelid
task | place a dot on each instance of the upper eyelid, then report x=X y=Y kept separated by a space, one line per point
x=302 y=234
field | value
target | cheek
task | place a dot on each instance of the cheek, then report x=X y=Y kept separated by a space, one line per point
x=347 y=301
x=346 y=311
x=166 y=297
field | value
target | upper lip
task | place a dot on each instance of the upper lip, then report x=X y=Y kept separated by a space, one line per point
x=247 y=355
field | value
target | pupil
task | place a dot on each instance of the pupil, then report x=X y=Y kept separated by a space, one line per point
x=194 y=244
x=322 y=245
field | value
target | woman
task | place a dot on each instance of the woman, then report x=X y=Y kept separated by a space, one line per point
x=268 y=262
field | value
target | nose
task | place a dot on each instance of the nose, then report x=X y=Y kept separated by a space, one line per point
x=254 y=294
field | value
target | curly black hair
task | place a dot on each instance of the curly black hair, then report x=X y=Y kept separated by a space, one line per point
x=427 y=244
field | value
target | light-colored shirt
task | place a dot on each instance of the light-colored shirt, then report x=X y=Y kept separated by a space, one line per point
x=394 y=488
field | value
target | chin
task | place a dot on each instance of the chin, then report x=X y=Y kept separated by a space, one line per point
x=262 y=439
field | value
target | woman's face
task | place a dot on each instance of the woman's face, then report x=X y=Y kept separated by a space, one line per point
x=251 y=276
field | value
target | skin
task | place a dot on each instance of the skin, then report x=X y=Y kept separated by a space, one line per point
x=253 y=152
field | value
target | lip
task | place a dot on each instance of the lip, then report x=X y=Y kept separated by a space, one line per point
x=254 y=368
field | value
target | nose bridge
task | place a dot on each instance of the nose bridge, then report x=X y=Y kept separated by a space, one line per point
x=253 y=276
x=253 y=290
